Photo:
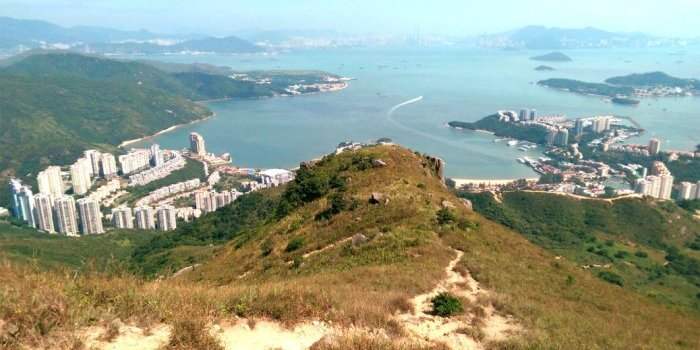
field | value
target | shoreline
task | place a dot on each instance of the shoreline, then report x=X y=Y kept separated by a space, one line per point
x=459 y=182
x=166 y=130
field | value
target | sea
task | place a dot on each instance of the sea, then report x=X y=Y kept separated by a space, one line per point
x=408 y=95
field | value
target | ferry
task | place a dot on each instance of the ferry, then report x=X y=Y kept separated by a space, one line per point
x=512 y=143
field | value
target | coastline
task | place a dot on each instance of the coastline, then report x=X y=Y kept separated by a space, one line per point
x=166 y=130
x=459 y=182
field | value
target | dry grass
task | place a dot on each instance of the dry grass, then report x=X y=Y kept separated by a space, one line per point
x=359 y=286
x=368 y=342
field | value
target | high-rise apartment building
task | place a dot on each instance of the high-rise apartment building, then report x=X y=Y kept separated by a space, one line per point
x=90 y=216
x=44 y=213
x=122 y=218
x=80 y=176
x=654 y=146
x=167 y=218
x=135 y=160
x=156 y=155
x=108 y=165
x=66 y=216
x=23 y=204
x=144 y=218
x=197 y=145
x=50 y=181
x=95 y=157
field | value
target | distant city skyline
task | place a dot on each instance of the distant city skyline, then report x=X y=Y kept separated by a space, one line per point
x=446 y=17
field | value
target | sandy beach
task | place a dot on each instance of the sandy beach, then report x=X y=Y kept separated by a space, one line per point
x=129 y=142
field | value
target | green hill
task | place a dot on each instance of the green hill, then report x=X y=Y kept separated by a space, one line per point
x=647 y=244
x=353 y=244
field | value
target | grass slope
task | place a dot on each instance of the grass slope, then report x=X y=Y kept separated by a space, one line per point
x=262 y=269
x=641 y=245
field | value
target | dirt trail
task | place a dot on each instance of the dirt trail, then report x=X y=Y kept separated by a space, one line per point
x=129 y=337
x=269 y=335
x=466 y=331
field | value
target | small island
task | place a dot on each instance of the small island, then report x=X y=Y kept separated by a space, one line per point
x=544 y=68
x=622 y=88
x=552 y=57
x=625 y=101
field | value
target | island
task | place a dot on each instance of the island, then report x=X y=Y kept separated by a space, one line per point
x=544 y=68
x=552 y=57
x=625 y=101
x=622 y=88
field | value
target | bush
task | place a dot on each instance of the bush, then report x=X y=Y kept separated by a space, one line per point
x=446 y=305
x=621 y=254
x=641 y=254
x=611 y=277
x=445 y=216
x=294 y=244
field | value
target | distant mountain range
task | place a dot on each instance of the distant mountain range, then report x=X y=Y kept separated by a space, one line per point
x=544 y=38
x=21 y=34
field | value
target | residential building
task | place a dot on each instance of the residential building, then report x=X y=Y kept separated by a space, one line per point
x=197 y=145
x=524 y=114
x=50 y=181
x=562 y=138
x=122 y=218
x=533 y=114
x=23 y=204
x=666 y=186
x=80 y=176
x=90 y=216
x=205 y=201
x=276 y=177
x=145 y=218
x=44 y=213
x=654 y=146
x=66 y=217
x=167 y=218
x=578 y=128
x=156 y=155
x=95 y=157
x=688 y=191
x=134 y=161
x=601 y=124
x=108 y=166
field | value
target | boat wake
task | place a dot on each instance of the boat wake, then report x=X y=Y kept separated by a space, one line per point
x=427 y=135
x=411 y=101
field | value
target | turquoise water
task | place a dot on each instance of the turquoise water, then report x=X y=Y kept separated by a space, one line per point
x=455 y=85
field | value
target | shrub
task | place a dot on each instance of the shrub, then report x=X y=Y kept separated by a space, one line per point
x=446 y=305
x=445 y=216
x=294 y=244
x=611 y=277
x=621 y=254
x=641 y=254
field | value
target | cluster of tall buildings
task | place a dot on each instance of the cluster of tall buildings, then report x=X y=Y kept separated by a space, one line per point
x=161 y=168
x=134 y=161
x=601 y=124
x=55 y=213
x=659 y=184
x=145 y=218
x=210 y=201
x=558 y=136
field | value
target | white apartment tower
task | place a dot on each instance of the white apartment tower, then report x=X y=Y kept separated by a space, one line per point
x=167 y=218
x=80 y=176
x=144 y=218
x=156 y=155
x=44 y=213
x=94 y=156
x=109 y=165
x=122 y=218
x=654 y=146
x=197 y=145
x=90 y=216
x=66 y=217
x=50 y=181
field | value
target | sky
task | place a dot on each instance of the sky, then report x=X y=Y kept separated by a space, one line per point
x=447 y=17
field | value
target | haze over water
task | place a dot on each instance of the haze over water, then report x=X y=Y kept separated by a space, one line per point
x=455 y=85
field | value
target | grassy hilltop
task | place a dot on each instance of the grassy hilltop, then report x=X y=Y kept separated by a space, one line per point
x=293 y=254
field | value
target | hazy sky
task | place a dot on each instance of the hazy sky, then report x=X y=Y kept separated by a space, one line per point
x=454 y=17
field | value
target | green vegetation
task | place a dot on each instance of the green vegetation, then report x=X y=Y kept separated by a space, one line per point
x=56 y=105
x=581 y=87
x=446 y=305
x=653 y=79
x=491 y=123
x=631 y=239
x=246 y=270
x=104 y=252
